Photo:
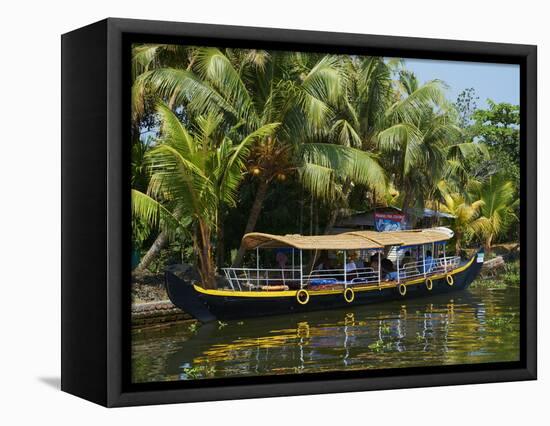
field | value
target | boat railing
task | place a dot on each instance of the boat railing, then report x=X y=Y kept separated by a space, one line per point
x=428 y=267
x=261 y=279
x=339 y=276
x=242 y=279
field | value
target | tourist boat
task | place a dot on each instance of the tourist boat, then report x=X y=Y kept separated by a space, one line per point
x=375 y=267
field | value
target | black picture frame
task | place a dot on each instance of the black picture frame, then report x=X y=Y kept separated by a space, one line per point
x=95 y=207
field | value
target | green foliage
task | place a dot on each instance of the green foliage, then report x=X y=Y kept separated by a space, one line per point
x=466 y=105
x=325 y=133
x=498 y=128
x=192 y=175
x=498 y=206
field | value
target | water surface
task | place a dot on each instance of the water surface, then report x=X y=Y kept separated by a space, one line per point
x=472 y=326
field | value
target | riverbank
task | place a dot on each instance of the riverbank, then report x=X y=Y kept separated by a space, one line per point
x=156 y=313
x=148 y=287
x=505 y=276
x=501 y=269
x=151 y=306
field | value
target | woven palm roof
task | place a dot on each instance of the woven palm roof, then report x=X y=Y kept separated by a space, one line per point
x=407 y=238
x=313 y=242
x=356 y=240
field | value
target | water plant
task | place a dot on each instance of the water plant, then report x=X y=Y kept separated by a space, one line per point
x=377 y=346
x=502 y=322
x=193 y=327
x=199 y=372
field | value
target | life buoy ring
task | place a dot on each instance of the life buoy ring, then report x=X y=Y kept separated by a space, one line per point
x=402 y=289
x=302 y=296
x=349 y=295
x=429 y=284
x=450 y=280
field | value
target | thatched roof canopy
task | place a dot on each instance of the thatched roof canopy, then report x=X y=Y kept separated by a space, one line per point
x=313 y=242
x=407 y=238
x=356 y=240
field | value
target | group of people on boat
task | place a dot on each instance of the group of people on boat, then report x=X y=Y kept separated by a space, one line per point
x=357 y=261
x=375 y=262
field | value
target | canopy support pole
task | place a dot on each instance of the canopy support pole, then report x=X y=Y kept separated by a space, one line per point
x=301 y=271
x=432 y=263
x=257 y=266
x=397 y=256
x=424 y=259
x=293 y=264
x=379 y=276
x=345 y=271
x=445 y=256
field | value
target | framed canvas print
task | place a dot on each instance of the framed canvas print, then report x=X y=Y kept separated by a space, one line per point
x=253 y=212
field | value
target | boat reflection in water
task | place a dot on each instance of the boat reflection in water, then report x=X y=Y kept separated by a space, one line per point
x=474 y=326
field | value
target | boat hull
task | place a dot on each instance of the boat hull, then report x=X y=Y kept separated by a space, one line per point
x=209 y=305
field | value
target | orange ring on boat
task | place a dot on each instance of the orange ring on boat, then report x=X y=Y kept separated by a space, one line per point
x=450 y=280
x=429 y=284
x=348 y=291
x=402 y=289
x=301 y=292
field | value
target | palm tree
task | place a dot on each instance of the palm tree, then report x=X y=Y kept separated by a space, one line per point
x=254 y=88
x=498 y=206
x=193 y=173
x=466 y=215
x=421 y=128
x=358 y=116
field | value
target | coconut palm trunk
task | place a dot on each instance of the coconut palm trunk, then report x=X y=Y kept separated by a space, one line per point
x=488 y=245
x=160 y=242
x=458 y=243
x=255 y=211
x=207 y=270
x=220 y=245
x=331 y=221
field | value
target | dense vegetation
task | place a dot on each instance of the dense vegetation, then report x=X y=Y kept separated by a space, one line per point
x=228 y=141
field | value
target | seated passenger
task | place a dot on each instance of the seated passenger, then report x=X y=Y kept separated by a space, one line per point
x=428 y=262
x=281 y=259
x=351 y=267
x=388 y=269
x=322 y=262
x=372 y=263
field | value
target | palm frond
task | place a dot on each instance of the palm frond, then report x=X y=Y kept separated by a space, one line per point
x=347 y=163
x=156 y=215
x=213 y=66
